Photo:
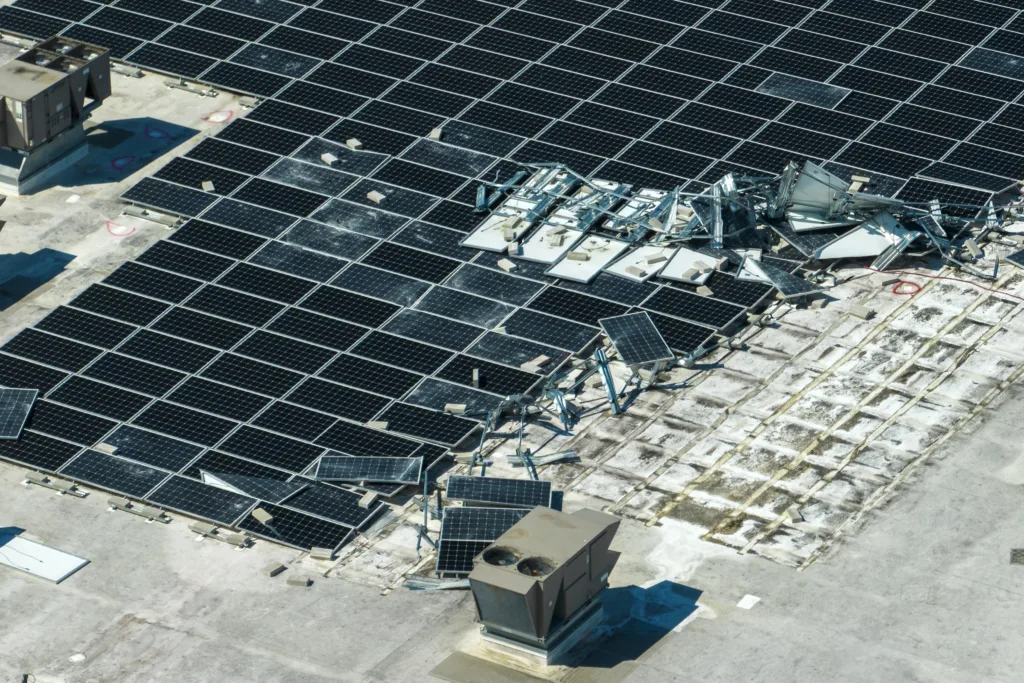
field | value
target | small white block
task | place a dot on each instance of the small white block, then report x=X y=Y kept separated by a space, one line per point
x=455 y=408
x=499 y=330
x=506 y=265
x=368 y=499
x=862 y=312
x=512 y=222
x=328 y=158
x=354 y=144
x=556 y=240
x=300 y=581
x=748 y=601
x=375 y=197
x=655 y=258
x=378 y=424
x=208 y=186
x=435 y=134
x=705 y=291
x=540 y=360
x=321 y=553
x=636 y=271
x=509 y=234
x=578 y=256
x=273 y=569
x=557 y=231
x=106 y=448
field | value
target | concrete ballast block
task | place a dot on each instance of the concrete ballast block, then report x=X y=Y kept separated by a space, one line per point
x=378 y=424
x=636 y=271
x=208 y=186
x=368 y=499
x=300 y=581
x=705 y=291
x=506 y=265
x=435 y=134
x=375 y=197
x=862 y=312
x=578 y=256
x=328 y=158
x=273 y=569
x=321 y=553
x=455 y=408
x=354 y=144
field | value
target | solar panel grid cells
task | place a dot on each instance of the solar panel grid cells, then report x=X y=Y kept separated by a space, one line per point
x=15 y=405
x=498 y=491
x=636 y=339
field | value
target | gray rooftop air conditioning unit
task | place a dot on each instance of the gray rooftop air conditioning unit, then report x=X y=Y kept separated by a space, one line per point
x=537 y=588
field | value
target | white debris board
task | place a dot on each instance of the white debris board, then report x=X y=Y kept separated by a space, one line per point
x=37 y=559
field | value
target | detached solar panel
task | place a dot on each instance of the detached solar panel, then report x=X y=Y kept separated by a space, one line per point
x=497 y=491
x=1016 y=258
x=15 y=405
x=467 y=531
x=372 y=469
x=636 y=339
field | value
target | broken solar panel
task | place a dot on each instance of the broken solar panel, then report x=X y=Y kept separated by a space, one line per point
x=15 y=405
x=497 y=491
x=1016 y=258
x=264 y=488
x=636 y=339
x=380 y=470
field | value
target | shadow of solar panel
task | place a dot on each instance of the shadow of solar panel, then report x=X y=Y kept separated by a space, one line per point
x=15 y=405
x=201 y=500
x=113 y=474
x=497 y=491
x=296 y=529
x=384 y=470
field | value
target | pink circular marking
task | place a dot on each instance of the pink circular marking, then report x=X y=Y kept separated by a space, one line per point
x=118 y=230
x=222 y=116
x=121 y=163
x=158 y=133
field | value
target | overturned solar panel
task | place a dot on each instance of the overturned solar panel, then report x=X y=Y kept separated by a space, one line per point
x=15 y=405
x=636 y=339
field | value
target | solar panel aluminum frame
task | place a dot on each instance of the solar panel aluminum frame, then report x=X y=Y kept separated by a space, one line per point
x=458 y=482
x=14 y=421
x=410 y=475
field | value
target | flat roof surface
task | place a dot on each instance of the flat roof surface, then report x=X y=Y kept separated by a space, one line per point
x=898 y=570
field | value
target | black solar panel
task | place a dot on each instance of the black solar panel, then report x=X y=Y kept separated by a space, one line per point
x=651 y=93
x=498 y=491
x=637 y=339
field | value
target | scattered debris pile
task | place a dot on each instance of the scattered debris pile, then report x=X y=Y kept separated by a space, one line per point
x=581 y=227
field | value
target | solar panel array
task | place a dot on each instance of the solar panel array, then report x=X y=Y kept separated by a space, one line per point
x=467 y=531
x=291 y=309
x=370 y=469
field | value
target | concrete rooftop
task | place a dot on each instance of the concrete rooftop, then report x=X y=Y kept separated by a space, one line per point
x=897 y=438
